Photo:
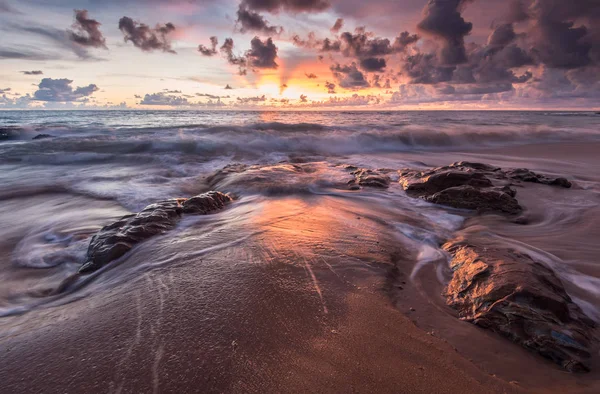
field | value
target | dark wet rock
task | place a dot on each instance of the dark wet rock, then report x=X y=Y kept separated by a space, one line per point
x=205 y=203
x=525 y=175
x=469 y=185
x=508 y=292
x=116 y=239
x=426 y=183
x=480 y=200
x=369 y=178
x=42 y=136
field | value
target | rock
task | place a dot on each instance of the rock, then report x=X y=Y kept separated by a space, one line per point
x=205 y=203
x=369 y=178
x=116 y=239
x=272 y=179
x=525 y=175
x=423 y=184
x=480 y=200
x=475 y=186
x=42 y=136
x=508 y=292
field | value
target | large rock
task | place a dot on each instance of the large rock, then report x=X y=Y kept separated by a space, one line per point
x=116 y=239
x=525 y=175
x=508 y=292
x=427 y=183
x=477 y=199
x=368 y=178
x=476 y=186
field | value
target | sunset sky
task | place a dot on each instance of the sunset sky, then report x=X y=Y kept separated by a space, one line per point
x=300 y=54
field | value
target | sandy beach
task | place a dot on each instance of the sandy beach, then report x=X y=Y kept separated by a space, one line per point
x=302 y=293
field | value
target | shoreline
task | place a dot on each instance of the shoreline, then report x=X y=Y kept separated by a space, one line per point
x=258 y=323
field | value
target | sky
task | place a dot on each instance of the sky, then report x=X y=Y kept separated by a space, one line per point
x=300 y=54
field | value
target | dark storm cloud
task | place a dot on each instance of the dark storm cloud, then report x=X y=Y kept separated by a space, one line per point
x=34 y=72
x=262 y=54
x=517 y=12
x=337 y=26
x=209 y=51
x=274 y=6
x=404 y=40
x=373 y=64
x=424 y=68
x=146 y=38
x=349 y=76
x=502 y=36
x=60 y=90
x=86 y=31
x=555 y=38
x=163 y=98
x=360 y=44
x=443 y=20
x=476 y=89
x=250 y=21
x=233 y=59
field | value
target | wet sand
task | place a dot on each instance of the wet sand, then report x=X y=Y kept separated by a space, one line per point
x=314 y=295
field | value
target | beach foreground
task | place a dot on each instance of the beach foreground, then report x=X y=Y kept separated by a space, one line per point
x=314 y=277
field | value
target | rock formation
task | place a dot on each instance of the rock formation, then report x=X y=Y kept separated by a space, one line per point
x=475 y=186
x=116 y=239
x=369 y=178
x=510 y=293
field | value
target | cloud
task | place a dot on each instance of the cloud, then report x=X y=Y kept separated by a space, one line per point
x=330 y=87
x=5 y=90
x=146 y=38
x=250 y=21
x=274 y=6
x=18 y=102
x=233 y=59
x=252 y=100
x=163 y=98
x=209 y=51
x=60 y=90
x=337 y=26
x=502 y=36
x=349 y=77
x=262 y=54
x=59 y=37
x=303 y=98
x=355 y=100
x=556 y=39
x=87 y=31
x=310 y=75
x=227 y=87
x=373 y=64
x=443 y=20
x=34 y=72
x=212 y=96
